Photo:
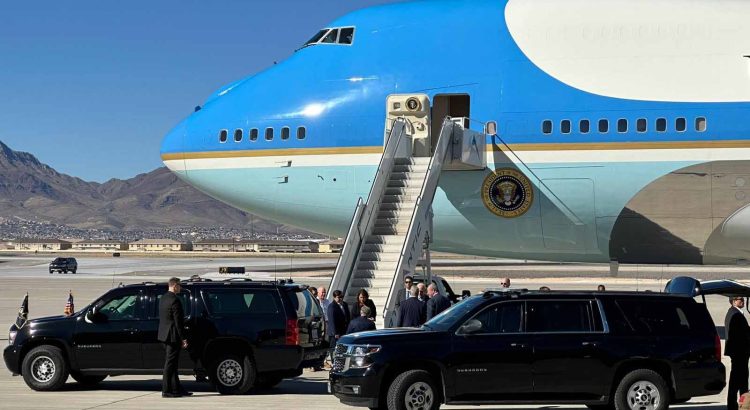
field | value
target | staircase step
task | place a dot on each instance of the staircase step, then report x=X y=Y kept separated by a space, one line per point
x=406 y=176
x=379 y=256
x=384 y=240
x=407 y=183
x=408 y=199
x=421 y=168
x=381 y=248
x=388 y=230
x=403 y=190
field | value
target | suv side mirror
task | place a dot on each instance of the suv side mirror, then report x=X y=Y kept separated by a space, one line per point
x=94 y=316
x=472 y=326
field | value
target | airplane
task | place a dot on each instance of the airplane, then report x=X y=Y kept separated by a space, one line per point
x=620 y=129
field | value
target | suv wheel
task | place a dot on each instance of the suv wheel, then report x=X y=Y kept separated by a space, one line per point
x=642 y=390
x=44 y=368
x=87 y=380
x=74 y=271
x=413 y=390
x=232 y=374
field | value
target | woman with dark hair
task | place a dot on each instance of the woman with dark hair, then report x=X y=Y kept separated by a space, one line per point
x=363 y=299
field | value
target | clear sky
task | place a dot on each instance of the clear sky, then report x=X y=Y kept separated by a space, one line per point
x=91 y=86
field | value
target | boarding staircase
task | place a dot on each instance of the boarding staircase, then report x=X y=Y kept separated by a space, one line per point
x=390 y=231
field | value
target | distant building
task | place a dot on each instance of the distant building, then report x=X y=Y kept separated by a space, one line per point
x=6 y=245
x=41 y=245
x=332 y=246
x=225 y=245
x=159 y=245
x=101 y=245
x=287 y=246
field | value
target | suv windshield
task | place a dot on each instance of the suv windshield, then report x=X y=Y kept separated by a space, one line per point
x=453 y=314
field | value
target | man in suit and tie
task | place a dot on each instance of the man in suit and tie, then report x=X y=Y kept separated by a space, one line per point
x=362 y=323
x=403 y=293
x=412 y=312
x=338 y=318
x=172 y=334
x=436 y=303
x=738 y=349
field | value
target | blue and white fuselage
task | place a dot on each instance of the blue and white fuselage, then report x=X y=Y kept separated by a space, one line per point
x=634 y=115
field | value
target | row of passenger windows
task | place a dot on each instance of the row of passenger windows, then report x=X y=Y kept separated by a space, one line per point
x=623 y=125
x=268 y=134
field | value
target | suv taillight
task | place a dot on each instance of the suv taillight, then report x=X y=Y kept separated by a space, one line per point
x=292 y=332
x=717 y=348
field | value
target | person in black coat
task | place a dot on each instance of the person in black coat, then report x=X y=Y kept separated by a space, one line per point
x=738 y=349
x=338 y=318
x=436 y=303
x=172 y=334
x=412 y=312
x=403 y=293
x=361 y=323
x=363 y=299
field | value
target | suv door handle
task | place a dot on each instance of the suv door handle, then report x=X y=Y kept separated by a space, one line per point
x=132 y=330
x=590 y=344
x=519 y=345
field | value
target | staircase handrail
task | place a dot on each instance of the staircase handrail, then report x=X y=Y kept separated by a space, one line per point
x=412 y=245
x=364 y=220
x=349 y=251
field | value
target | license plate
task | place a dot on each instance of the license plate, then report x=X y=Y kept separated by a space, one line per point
x=314 y=334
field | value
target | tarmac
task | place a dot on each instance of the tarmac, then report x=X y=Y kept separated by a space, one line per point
x=48 y=294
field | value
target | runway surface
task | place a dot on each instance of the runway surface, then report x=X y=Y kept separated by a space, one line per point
x=48 y=294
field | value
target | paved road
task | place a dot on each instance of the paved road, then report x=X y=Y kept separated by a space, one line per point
x=308 y=392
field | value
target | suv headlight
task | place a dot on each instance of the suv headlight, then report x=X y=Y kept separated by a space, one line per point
x=12 y=336
x=359 y=356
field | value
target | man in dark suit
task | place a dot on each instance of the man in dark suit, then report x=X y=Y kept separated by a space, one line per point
x=412 y=312
x=403 y=293
x=172 y=334
x=338 y=318
x=362 y=323
x=436 y=303
x=738 y=349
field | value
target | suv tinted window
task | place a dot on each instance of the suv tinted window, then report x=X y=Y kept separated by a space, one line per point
x=559 y=316
x=302 y=302
x=123 y=306
x=240 y=302
x=657 y=317
x=501 y=318
x=184 y=297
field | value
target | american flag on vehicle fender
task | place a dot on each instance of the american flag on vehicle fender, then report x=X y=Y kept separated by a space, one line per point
x=69 y=306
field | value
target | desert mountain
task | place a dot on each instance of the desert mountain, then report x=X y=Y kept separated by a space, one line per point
x=34 y=191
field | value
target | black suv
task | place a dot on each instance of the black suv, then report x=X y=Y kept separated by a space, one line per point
x=63 y=265
x=606 y=350
x=241 y=334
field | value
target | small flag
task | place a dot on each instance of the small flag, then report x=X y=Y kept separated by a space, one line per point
x=23 y=312
x=69 y=306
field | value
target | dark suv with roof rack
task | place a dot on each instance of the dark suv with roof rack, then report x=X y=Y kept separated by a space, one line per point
x=605 y=350
x=241 y=334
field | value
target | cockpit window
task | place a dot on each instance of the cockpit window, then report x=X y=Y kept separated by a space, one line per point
x=347 y=35
x=317 y=37
x=337 y=35
x=331 y=37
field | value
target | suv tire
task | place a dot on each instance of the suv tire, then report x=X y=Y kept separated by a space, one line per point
x=641 y=389
x=74 y=271
x=413 y=389
x=87 y=380
x=44 y=368
x=232 y=374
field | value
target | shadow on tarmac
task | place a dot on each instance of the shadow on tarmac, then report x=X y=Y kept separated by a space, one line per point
x=298 y=385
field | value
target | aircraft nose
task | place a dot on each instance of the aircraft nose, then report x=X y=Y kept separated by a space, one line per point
x=173 y=149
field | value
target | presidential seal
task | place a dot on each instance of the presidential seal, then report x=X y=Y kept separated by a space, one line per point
x=507 y=193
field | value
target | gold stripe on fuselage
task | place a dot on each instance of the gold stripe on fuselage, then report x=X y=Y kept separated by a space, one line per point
x=584 y=146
